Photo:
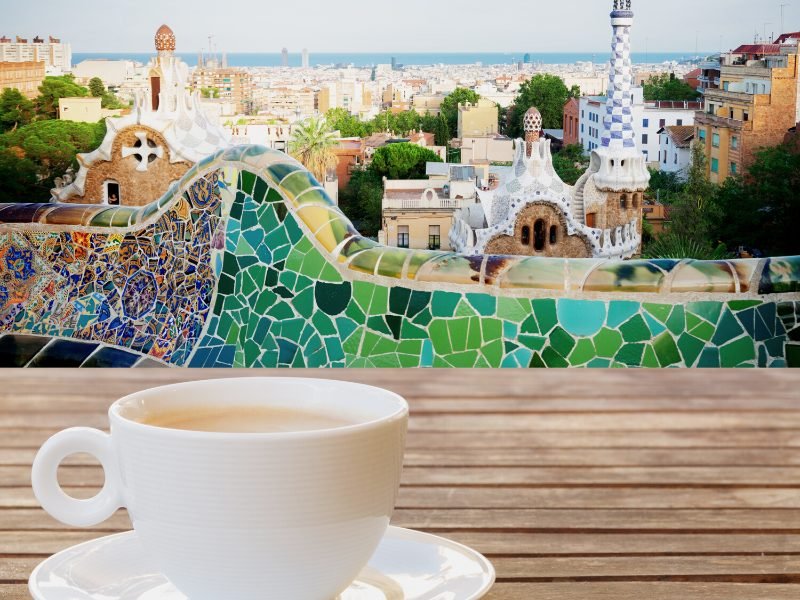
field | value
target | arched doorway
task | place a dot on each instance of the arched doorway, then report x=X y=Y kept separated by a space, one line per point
x=539 y=229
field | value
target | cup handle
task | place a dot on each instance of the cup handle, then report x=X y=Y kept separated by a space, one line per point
x=44 y=477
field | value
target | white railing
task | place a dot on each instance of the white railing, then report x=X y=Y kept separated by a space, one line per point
x=420 y=204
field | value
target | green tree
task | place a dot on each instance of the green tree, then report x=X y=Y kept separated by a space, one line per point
x=762 y=209
x=694 y=211
x=96 y=87
x=20 y=180
x=346 y=124
x=312 y=143
x=428 y=122
x=665 y=86
x=15 y=110
x=673 y=245
x=441 y=132
x=54 y=88
x=665 y=186
x=209 y=92
x=449 y=106
x=361 y=201
x=546 y=92
x=52 y=145
x=402 y=161
x=570 y=163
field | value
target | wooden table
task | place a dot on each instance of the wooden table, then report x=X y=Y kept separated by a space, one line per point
x=577 y=485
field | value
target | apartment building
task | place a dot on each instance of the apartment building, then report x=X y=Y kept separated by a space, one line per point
x=23 y=76
x=675 y=149
x=753 y=105
x=55 y=54
x=479 y=119
x=231 y=84
x=648 y=119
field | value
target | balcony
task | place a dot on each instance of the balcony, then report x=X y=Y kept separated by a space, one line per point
x=726 y=96
x=420 y=203
x=702 y=118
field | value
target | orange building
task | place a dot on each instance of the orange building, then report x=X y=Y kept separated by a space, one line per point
x=572 y=122
x=23 y=76
x=754 y=107
x=351 y=153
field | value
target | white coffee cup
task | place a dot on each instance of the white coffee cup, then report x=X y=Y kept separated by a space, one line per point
x=290 y=515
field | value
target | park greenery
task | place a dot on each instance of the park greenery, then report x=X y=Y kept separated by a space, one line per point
x=665 y=86
x=546 y=92
x=36 y=147
x=313 y=144
x=108 y=100
x=361 y=199
x=570 y=163
x=397 y=124
x=756 y=211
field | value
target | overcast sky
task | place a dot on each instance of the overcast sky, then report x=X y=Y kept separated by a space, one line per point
x=394 y=26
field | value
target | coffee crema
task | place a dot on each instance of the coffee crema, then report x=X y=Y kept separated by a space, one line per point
x=241 y=419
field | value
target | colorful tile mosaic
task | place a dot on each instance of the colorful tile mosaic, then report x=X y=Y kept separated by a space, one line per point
x=247 y=263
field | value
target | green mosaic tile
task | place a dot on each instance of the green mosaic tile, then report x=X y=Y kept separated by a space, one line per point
x=561 y=341
x=649 y=359
x=630 y=354
x=532 y=342
x=656 y=328
x=727 y=329
x=666 y=350
x=737 y=352
x=513 y=309
x=736 y=305
x=553 y=360
x=484 y=304
x=635 y=330
x=546 y=314
x=690 y=348
x=620 y=311
x=464 y=309
x=676 y=322
x=709 y=311
x=607 y=342
x=793 y=355
x=582 y=353
x=444 y=304
x=659 y=311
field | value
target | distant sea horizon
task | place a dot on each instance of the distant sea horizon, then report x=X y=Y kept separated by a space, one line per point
x=368 y=59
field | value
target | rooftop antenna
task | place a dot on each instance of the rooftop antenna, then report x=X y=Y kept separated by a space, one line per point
x=783 y=30
x=765 y=30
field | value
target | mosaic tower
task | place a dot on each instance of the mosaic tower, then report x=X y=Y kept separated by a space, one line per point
x=621 y=165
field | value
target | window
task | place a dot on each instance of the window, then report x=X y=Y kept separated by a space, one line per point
x=665 y=156
x=591 y=219
x=726 y=85
x=734 y=142
x=645 y=122
x=434 y=237
x=734 y=168
x=745 y=116
x=553 y=235
x=715 y=140
x=526 y=236
x=623 y=201
x=680 y=122
x=662 y=122
x=644 y=138
x=730 y=113
x=676 y=158
x=402 y=236
x=711 y=109
x=703 y=134
x=538 y=235
x=715 y=165
x=112 y=192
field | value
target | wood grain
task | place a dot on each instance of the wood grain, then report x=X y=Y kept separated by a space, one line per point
x=577 y=485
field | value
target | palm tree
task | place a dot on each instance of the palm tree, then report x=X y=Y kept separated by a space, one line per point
x=312 y=144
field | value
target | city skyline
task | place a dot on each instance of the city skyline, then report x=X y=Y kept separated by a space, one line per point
x=416 y=26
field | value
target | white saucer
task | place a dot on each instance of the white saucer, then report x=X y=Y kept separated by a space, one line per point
x=408 y=565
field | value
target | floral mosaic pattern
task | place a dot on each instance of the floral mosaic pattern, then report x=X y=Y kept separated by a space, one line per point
x=250 y=264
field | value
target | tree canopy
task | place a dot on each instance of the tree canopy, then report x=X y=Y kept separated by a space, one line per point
x=449 y=106
x=50 y=148
x=665 y=86
x=312 y=144
x=15 y=110
x=570 y=163
x=54 y=88
x=546 y=92
x=402 y=161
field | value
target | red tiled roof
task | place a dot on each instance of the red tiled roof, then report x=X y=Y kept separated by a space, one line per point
x=783 y=38
x=758 y=49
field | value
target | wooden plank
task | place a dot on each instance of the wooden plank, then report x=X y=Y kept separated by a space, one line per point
x=638 y=591
x=541 y=457
x=555 y=497
x=442 y=382
x=764 y=477
x=27 y=543
x=512 y=519
x=552 y=439
x=640 y=421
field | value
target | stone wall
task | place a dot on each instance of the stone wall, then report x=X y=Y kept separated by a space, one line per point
x=571 y=246
x=248 y=263
x=137 y=188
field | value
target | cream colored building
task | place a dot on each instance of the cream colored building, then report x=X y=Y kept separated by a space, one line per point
x=428 y=104
x=490 y=149
x=23 y=76
x=81 y=110
x=477 y=120
x=419 y=213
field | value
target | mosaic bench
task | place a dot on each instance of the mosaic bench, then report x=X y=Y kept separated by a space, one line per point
x=246 y=262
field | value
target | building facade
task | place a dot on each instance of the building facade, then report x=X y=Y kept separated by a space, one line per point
x=572 y=122
x=55 y=54
x=144 y=152
x=478 y=120
x=23 y=76
x=648 y=119
x=534 y=213
x=228 y=84
x=754 y=106
x=675 y=149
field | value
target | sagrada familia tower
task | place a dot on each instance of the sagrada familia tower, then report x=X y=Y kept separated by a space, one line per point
x=533 y=212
